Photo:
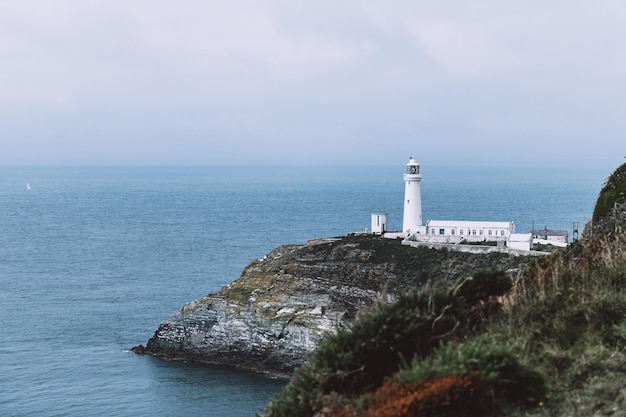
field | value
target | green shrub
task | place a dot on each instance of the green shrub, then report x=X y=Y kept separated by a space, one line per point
x=463 y=379
x=505 y=377
x=360 y=357
x=482 y=285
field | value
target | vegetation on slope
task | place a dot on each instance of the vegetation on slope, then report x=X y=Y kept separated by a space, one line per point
x=611 y=196
x=550 y=343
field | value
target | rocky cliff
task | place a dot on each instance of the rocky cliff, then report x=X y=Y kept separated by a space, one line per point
x=272 y=317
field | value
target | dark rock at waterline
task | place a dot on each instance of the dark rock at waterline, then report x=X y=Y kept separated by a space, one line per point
x=140 y=350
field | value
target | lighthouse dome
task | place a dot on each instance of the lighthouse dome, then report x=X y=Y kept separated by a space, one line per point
x=412 y=168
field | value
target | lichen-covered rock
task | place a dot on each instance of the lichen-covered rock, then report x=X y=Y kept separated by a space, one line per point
x=272 y=317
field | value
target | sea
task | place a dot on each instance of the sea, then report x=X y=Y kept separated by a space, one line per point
x=93 y=259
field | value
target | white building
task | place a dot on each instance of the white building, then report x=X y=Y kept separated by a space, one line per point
x=520 y=241
x=445 y=231
x=550 y=235
x=379 y=223
x=470 y=231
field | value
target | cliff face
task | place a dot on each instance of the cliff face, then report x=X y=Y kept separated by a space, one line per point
x=272 y=317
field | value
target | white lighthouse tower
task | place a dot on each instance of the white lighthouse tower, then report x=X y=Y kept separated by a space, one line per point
x=412 y=221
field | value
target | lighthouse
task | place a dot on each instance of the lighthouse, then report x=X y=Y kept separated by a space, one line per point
x=412 y=220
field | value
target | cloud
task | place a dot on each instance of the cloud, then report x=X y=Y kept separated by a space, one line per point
x=163 y=80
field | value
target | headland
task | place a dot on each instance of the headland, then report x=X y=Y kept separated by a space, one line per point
x=274 y=315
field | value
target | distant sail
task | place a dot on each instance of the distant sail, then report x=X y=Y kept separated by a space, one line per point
x=28 y=186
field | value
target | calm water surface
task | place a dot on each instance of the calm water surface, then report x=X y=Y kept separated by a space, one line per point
x=93 y=259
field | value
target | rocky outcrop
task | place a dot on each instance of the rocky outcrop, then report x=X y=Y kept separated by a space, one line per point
x=275 y=314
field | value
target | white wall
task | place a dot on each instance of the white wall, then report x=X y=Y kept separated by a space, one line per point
x=379 y=222
x=520 y=241
x=473 y=231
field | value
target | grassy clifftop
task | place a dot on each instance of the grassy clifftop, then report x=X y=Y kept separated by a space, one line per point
x=550 y=343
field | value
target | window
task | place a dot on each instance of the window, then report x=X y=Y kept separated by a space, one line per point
x=432 y=232
x=452 y=232
x=490 y=232
x=442 y=231
x=501 y=232
x=480 y=232
x=461 y=232
x=474 y=232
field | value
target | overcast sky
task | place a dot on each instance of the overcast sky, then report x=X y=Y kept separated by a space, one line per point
x=317 y=82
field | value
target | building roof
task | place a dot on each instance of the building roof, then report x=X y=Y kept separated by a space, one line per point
x=520 y=237
x=548 y=232
x=461 y=223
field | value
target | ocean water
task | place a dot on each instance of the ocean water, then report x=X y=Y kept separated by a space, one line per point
x=93 y=259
